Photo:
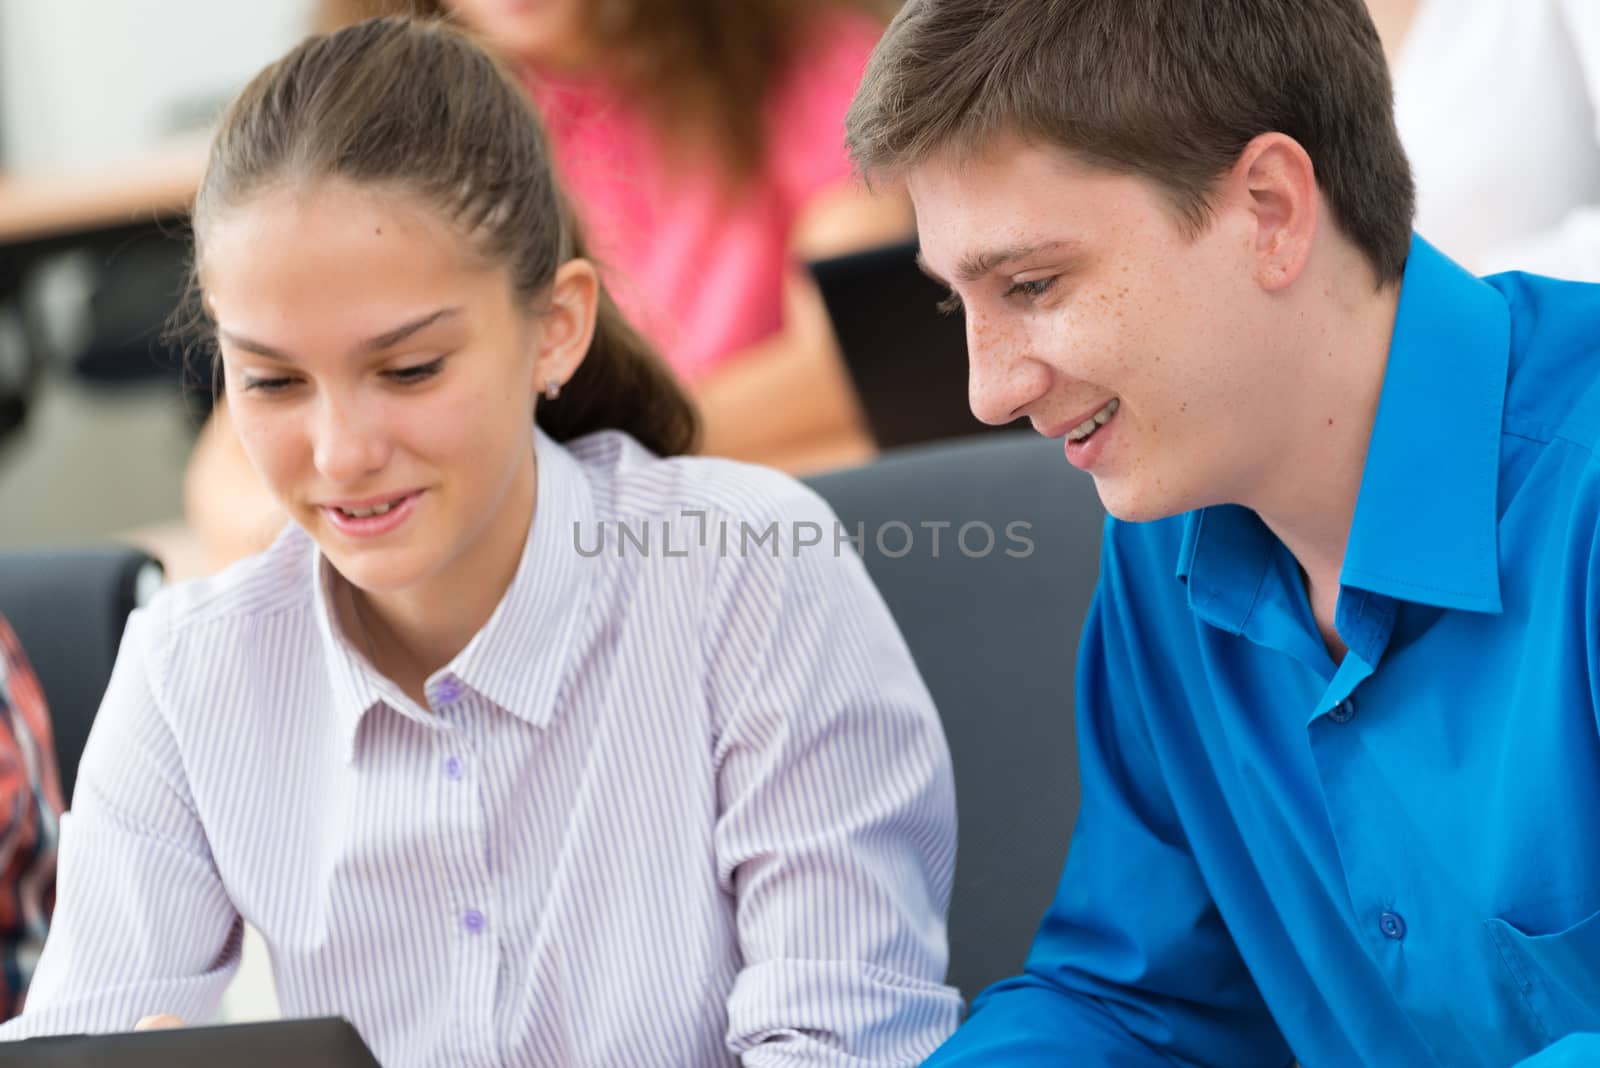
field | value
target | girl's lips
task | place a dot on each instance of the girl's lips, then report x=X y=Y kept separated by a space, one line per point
x=373 y=526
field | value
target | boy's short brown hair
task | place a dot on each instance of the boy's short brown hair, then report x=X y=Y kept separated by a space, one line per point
x=1171 y=90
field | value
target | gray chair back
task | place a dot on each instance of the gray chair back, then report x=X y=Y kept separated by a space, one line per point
x=68 y=608
x=992 y=610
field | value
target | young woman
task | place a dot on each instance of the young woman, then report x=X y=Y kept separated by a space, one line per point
x=522 y=744
x=702 y=144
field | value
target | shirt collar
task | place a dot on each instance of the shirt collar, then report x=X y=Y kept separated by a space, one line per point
x=355 y=686
x=518 y=659
x=1426 y=519
x=1426 y=525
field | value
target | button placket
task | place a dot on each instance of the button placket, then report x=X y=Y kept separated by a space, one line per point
x=468 y=883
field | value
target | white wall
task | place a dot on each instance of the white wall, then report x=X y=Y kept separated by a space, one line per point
x=86 y=81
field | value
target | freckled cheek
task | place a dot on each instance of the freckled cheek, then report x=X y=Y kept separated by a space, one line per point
x=1087 y=341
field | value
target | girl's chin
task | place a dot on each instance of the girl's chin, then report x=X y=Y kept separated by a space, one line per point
x=371 y=576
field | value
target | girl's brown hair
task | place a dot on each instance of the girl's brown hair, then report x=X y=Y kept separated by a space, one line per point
x=702 y=64
x=419 y=109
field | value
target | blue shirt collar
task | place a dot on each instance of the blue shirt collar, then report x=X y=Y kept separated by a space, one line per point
x=1426 y=519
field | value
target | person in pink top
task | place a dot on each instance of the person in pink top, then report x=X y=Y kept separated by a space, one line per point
x=663 y=206
x=702 y=143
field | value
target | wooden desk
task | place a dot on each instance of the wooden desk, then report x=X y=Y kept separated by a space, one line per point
x=36 y=206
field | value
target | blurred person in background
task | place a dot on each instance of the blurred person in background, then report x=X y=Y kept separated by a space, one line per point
x=1498 y=104
x=702 y=143
x=30 y=813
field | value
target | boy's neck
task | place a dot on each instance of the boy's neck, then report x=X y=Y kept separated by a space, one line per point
x=1308 y=495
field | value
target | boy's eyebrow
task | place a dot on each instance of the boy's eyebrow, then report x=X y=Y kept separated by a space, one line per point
x=975 y=265
x=387 y=339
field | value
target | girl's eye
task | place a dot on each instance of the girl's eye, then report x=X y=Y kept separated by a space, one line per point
x=950 y=305
x=1031 y=290
x=268 y=385
x=421 y=372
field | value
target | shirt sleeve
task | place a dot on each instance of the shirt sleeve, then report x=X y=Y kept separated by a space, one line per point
x=836 y=823
x=142 y=922
x=1132 y=966
x=1570 y=248
x=805 y=113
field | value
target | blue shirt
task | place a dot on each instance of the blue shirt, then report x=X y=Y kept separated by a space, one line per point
x=1394 y=860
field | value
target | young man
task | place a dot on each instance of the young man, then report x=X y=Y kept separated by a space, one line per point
x=1339 y=752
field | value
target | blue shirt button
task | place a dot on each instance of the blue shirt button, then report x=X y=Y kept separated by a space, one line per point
x=447 y=690
x=1393 y=925
x=452 y=767
x=473 y=921
x=1344 y=711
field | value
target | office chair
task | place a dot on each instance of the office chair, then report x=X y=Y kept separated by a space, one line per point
x=992 y=612
x=68 y=608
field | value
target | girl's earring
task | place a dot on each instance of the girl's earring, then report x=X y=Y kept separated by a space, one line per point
x=552 y=389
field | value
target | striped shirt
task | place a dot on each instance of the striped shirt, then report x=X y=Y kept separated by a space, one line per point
x=684 y=800
x=30 y=808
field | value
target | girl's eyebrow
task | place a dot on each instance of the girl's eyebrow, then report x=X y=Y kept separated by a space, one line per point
x=387 y=339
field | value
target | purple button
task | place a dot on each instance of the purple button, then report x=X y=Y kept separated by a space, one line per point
x=473 y=921
x=446 y=691
x=452 y=767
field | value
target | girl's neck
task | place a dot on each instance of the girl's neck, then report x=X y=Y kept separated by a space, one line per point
x=410 y=634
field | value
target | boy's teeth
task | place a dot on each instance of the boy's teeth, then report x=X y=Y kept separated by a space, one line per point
x=1098 y=419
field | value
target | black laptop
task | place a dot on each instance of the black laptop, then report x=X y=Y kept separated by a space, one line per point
x=320 y=1043
x=907 y=359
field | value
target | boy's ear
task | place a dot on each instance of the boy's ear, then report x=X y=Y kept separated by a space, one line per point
x=1279 y=185
x=566 y=327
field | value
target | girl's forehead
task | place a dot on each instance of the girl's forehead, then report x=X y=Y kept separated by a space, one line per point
x=320 y=269
x=333 y=204
x=332 y=235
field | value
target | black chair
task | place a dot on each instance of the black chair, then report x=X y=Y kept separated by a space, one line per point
x=992 y=613
x=68 y=608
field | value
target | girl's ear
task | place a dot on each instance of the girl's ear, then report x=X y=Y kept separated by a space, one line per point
x=567 y=326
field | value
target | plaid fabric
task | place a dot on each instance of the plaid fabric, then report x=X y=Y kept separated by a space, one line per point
x=30 y=813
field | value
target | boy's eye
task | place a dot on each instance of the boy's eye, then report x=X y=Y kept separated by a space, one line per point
x=1031 y=290
x=418 y=373
x=950 y=305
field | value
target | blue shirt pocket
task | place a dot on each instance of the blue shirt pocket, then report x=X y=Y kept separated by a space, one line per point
x=1557 y=974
